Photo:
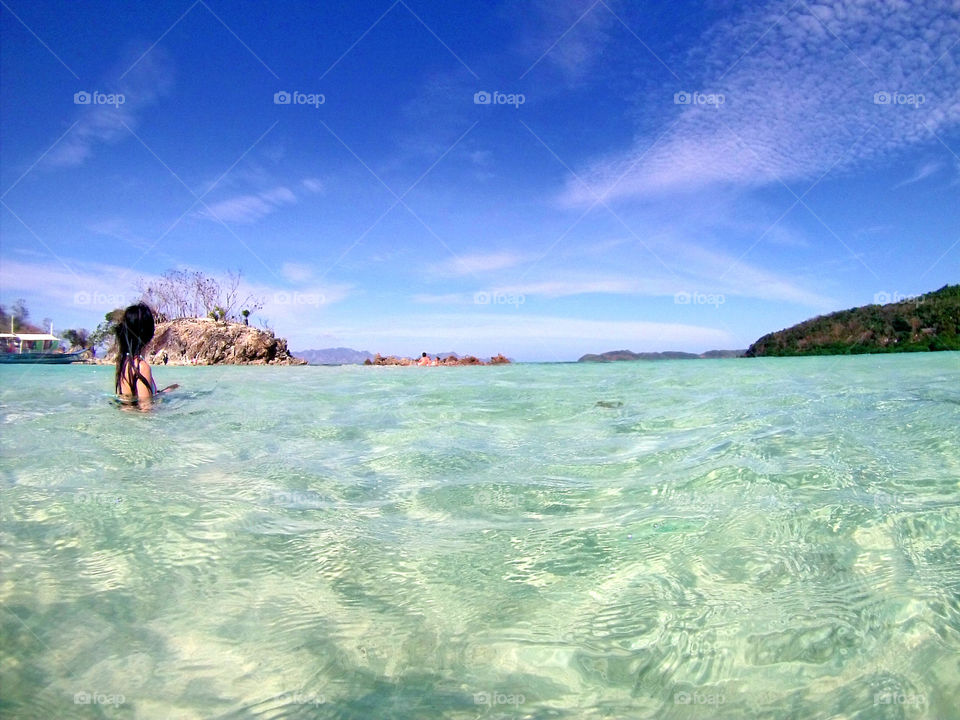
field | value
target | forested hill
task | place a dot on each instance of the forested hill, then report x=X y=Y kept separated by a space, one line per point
x=926 y=322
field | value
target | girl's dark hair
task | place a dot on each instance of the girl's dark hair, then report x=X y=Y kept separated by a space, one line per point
x=134 y=331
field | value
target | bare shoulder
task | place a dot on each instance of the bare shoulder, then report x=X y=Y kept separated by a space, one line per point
x=149 y=387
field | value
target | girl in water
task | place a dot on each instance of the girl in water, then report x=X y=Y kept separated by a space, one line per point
x=134 y=380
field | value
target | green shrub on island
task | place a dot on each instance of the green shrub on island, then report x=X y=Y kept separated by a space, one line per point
x=929 y=322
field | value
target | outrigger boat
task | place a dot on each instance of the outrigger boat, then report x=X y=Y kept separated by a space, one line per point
x=35 y=348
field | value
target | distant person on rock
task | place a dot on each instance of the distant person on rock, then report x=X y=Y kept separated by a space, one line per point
x=134 y=380
x=424 y=360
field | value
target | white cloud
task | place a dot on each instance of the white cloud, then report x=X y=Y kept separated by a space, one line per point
x=279 y=196
x=798 y=104
x=478 y=263
x=461 y=298
x=567 y=34
x=480 y=157
x=528 y=336
x=78 y=292
x=313 y=185
x=563 y=288
x=922 y=173
x=688 y=268
x=246 y=209
x=103 y=124
x=710 y=271
x=79 y=287
x=118 y=229
x=296 y=272
x=553 y=288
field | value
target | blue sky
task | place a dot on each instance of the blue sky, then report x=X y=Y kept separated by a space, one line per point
x=650 y=176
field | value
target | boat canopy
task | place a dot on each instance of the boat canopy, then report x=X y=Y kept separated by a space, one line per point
x=30 y=336
x=28 y=343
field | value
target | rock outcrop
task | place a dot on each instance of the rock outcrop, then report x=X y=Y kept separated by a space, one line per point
x=620 y=355
x=202 y=341
x=379 y=359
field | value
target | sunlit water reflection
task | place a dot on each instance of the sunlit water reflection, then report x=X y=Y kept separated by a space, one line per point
x=687 y=539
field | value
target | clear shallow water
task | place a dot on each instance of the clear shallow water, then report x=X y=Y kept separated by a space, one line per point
x=691 y=539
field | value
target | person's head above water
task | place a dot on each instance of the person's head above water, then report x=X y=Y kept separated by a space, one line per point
x=134 y=379
x=424 y=355
x=134 y=331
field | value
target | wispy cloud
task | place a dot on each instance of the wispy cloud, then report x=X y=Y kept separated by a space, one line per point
x=713 y=271
x=478 y=263
x=691 y=268
x=246 y=209
x=554 y=288
x=296 y=272
x=117 y=228
x=83 y=287
x=922 y=173
x=89 y=289
x=821 y=88
x=105 y=123
x=567 y=35
x=534 y=336
x=580 y=286
x=313 y=185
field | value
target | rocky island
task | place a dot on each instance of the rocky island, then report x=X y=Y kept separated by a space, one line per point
x=204 y=341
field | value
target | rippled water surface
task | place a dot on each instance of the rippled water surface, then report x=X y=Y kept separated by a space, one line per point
x=773 y=538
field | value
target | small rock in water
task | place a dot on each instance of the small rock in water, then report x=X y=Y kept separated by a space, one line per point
x=609 y=403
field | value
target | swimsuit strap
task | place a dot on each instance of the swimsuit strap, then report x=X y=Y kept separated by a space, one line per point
x=138 y=376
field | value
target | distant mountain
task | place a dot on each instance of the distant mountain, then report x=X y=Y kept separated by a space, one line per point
x=713 y=354
x=334 y=356
x=923 y=323
x=617 y=355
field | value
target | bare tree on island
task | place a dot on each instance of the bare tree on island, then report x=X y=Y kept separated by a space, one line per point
x=192 y=294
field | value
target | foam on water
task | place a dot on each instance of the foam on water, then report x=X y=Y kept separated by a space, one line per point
x=731 y=538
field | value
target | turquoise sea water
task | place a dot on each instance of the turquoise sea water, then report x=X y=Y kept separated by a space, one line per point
x=771 y=538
